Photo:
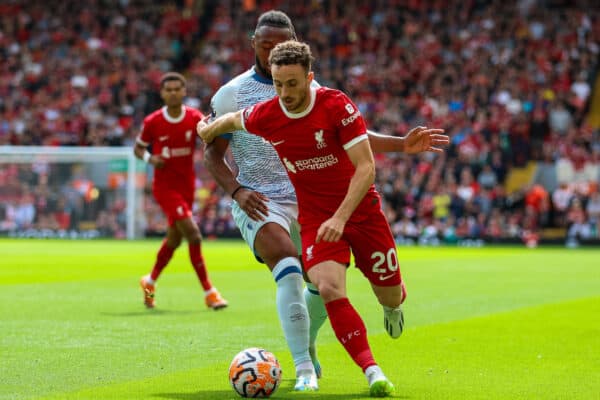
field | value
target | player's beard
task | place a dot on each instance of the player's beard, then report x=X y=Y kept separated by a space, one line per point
x=266 y=72
x=295 y=107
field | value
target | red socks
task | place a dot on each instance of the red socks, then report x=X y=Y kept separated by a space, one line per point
x=198 y=264
x=162 y=259
x=166 y=253
x=351 y=332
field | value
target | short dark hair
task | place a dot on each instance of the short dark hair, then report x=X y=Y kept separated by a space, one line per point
x=276 y=19
x=171 y=76
x=291 y=52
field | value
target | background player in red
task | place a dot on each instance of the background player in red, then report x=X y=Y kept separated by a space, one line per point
x=321 y=138
x=170 y=133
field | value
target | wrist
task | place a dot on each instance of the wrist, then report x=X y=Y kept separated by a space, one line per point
x=402 y=143
x=146 y=157
x=237 y=189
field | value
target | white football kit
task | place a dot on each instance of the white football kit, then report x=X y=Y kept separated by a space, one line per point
x=258 y=165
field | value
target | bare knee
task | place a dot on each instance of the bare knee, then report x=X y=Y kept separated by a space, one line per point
x=192 y=234
x=273 y=244
x=173 y=237
x=194 y=238
x=174 y=242
x=330 y=291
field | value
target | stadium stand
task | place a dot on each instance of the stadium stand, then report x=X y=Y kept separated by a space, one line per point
x=514 y=83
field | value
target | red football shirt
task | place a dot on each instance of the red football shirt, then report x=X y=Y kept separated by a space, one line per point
x=312 y=146
x=174 y=139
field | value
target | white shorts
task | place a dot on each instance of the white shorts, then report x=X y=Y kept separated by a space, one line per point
x=283 y=214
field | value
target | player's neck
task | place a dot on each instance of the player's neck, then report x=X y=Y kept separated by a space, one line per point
x=174 y=111
x=262 y=73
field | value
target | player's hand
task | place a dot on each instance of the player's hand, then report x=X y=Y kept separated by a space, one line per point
x=202 y=131
x=331 y=230
x=253 y=203
x=422 y=139
x=157 y=161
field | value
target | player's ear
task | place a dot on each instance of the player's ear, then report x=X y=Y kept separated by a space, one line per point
x=253 y=42
x=310 y=77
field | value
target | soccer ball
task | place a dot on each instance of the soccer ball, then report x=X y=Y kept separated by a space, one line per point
x=254 y=372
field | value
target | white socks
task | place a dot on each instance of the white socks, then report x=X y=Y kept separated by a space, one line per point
x=292 y=311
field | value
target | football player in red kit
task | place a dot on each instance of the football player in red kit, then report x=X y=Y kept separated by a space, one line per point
x=170 y=132
x=321 y=139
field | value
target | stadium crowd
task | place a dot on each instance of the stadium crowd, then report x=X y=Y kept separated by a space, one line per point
x=510 y=82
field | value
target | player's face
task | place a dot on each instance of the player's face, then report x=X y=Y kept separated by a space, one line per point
x=264 y=39
x=293 y=86
x=172 y=93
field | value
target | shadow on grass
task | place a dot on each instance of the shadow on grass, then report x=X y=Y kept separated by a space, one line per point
x=146 y=312
x=285 y=391
x=230 y=395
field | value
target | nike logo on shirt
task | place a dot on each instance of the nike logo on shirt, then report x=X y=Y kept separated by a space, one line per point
x=277 y=143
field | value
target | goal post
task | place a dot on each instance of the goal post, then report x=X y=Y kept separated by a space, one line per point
x=101 y=187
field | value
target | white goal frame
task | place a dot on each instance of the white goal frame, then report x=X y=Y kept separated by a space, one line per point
x=31 y=154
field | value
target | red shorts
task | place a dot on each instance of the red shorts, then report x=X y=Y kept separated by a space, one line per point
x=370 y=241
x=175 y=205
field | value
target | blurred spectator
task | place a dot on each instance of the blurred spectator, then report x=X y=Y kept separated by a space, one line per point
x=559 y=118
x=578 y=226
x=592 y=207
x=510 y=82
x=561 y=199
x=487 y=177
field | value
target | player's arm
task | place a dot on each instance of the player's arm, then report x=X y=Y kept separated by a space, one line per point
x=417 y=140
x=364 y=175
x=141 y=151
x=252 y=202
x=215 y=152
x=230 y=122
x=216 y=163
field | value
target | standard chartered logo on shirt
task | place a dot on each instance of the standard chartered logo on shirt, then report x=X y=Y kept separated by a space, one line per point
x=289 y=165
x=311 y=163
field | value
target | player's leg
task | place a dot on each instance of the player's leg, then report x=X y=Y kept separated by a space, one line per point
x=349 y=328
x=271 y=242
x=393 y=316
x=164 y=255
x=326 y=265
x=285 y=266
x=318 y=314
x=375 y=255
x=314 y=303
x=191 y=232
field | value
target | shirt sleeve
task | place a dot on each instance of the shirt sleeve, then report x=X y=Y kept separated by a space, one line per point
x=255 y=120
x=145 y=137
x=349 y=121
x=223 y=101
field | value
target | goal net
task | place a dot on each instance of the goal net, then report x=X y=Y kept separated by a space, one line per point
x=71 y=192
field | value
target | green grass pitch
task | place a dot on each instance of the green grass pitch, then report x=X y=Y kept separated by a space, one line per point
x=491 y=323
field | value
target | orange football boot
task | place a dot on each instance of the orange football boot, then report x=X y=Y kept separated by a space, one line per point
x=148 y=290
x=214 y=300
